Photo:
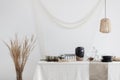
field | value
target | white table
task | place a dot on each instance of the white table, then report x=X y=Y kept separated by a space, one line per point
x=77 y=71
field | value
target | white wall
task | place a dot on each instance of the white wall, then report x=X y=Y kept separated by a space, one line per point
x=59 y=40
x=56 y=38
x=110 y=43
x=18 y=16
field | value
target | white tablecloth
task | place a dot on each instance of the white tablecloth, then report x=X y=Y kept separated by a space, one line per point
x=77 y=71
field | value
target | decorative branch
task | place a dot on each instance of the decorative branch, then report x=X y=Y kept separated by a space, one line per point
x=20 y=52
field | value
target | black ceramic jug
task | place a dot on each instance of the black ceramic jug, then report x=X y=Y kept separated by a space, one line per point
x=79 y=52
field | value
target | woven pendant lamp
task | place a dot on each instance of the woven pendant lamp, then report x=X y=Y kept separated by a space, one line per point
x=105 y=24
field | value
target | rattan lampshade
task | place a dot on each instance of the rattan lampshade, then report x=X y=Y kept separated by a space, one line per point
x=105 y=25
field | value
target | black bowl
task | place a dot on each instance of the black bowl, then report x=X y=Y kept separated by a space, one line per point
x=106 y=60
x=107 y=57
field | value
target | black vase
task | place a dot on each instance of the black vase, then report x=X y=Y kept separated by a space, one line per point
x=79 y=51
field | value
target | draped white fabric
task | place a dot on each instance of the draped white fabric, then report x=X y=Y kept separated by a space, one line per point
x=77 y=71
x=54 y=37
x=114 y=71
x=62 y=71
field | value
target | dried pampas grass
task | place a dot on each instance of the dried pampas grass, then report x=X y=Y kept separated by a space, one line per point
x=20 y=51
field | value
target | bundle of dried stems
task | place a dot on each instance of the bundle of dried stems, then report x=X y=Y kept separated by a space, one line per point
x=20 y=52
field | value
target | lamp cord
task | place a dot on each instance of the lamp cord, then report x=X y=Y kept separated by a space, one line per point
x=105 y=8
